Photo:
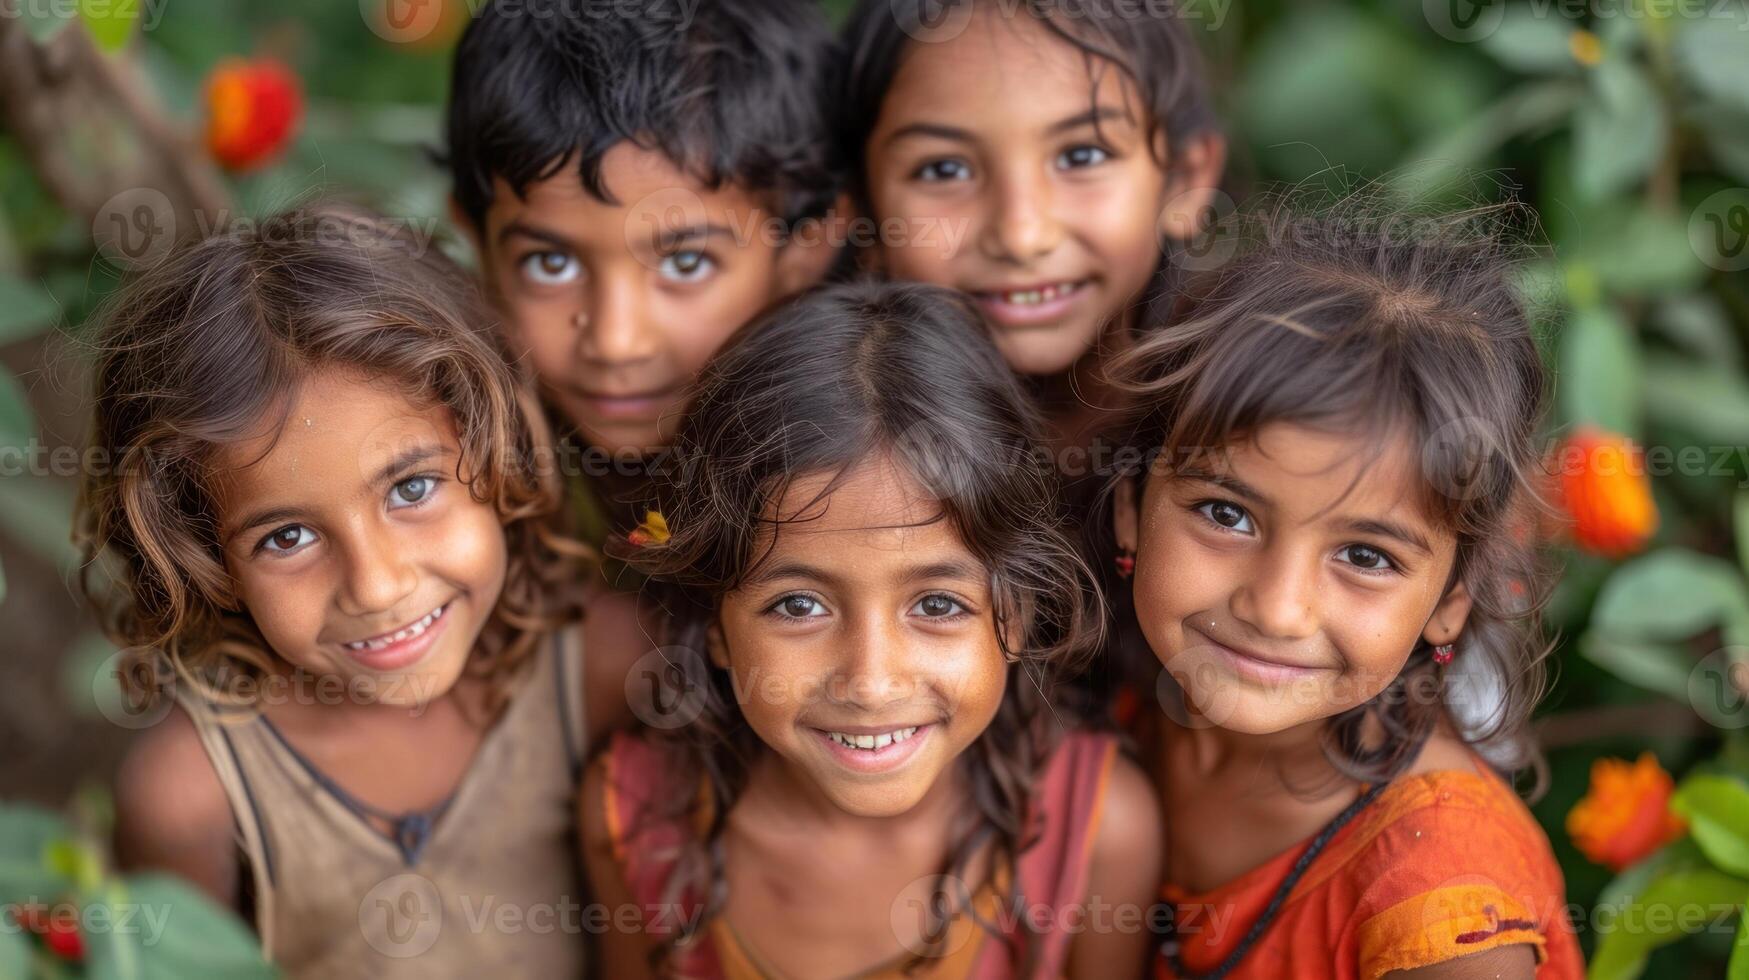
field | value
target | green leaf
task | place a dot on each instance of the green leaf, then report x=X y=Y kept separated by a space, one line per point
x=1653 y=666
x=1717 y=811
x=17 y=421
x=1739 y=965
x=1713 y=54
x=1742 y=529
x=14 y=954
x=1704 y=400
x=1633 y=249
x=1532 y=41
x=176 y=932
x=26 y=309
x=1600 y=378
x=1698 y=322
x=1726 y=132
x=1619 y=131
x=1670 y=594
x=1658 y=917
x=111 y=22
x=26 y=834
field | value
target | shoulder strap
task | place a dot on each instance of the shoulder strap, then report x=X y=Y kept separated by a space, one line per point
x=251 y=835
x=1053 y=871
x=568 y=680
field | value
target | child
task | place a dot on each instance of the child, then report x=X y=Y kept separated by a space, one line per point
x=1036 y=157
x=1331 y=564
x=870 y=595
x=327 y=514
x=640 y=181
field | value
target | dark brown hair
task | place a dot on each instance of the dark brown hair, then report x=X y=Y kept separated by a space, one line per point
x=1362 y=315
x=208 y=347
x=841 y=376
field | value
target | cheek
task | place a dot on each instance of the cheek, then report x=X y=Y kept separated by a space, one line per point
x=470 y=548
x=288 y=609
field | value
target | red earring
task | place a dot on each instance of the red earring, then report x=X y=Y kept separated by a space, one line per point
x=1443 y=653
x=1126 y=563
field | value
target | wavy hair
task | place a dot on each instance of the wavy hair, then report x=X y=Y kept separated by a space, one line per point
x=207 y=347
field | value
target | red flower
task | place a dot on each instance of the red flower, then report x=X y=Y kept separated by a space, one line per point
x=58 y=926
x=253 y=110
x=1604 y=490
x=1626 y=814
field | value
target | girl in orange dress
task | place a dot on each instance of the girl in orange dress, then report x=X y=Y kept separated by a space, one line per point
x=1331 y=561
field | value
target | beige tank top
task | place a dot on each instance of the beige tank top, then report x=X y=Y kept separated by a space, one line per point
x=487 y=884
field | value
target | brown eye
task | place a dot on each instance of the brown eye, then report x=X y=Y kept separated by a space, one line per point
x=937 y=606
x=1361 y=556
x=287 y=538
x=798 y=606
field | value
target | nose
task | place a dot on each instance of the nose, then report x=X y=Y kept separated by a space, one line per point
x=1279 y=597
x=379 y=574
x=875 y=670
x=617 y=328
x=1023 y=226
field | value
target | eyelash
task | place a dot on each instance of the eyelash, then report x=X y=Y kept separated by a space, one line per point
x=965 y=608
x=1396 y=567
x=434 y=479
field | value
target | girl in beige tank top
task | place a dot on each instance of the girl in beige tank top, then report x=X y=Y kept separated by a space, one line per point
x=332 y=491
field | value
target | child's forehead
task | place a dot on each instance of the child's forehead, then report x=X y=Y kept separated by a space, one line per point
x=644 y=188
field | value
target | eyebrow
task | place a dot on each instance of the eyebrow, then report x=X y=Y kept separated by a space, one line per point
x=526 y=230
x=1097 y=114
x=953 y=568
x=401 y=461
x=1369 y=525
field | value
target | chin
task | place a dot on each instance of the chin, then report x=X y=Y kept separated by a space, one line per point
x=871 y=801
x=1043 y=354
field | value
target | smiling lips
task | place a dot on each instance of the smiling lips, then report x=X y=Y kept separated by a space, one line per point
x=1031 y=304
x=401 y=647
x=874 y=750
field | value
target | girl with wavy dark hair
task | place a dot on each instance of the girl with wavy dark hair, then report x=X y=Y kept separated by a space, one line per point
x=857 y=768
x=1334 y=564
x=325 y=540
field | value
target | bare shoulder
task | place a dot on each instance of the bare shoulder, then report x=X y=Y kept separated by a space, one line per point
x=1514 y=962
x=1444 y=752
x=615 y=634
x=172 y=812
x=1131 y=826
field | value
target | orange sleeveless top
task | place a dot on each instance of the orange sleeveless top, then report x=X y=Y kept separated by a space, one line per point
x=1438 y=866
x=1052 y=871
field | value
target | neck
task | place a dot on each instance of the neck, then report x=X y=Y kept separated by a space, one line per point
x=1295 y=754
x=791 y=791
x=1076 y=401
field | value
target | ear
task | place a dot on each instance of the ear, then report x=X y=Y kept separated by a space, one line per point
x=1197 y=165
x=812 y=247
x=716 y=646
x=1125 y=515
x=1449 y=617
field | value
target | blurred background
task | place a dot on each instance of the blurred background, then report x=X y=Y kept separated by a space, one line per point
x=126 y=124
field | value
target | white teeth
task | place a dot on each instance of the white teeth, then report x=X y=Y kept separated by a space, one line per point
x=405 y=633
x=1033 y=297
x=872 y=742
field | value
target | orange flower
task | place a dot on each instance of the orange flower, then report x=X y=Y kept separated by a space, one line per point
x=1604 y=489
x=253 y=109
x=1626 y=814
x=654 y=530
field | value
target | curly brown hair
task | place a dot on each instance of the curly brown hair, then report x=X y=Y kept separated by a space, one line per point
x=840 y=376
x=1362 y=314
x=207 y=346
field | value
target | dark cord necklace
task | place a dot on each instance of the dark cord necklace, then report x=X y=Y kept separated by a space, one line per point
x=1169 y=945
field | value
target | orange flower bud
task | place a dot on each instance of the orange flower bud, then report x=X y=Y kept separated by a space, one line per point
x=1605 y=491
x=1626 y=815
x=253 y=110
x=653 y=532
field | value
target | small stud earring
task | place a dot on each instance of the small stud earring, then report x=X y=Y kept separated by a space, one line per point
x=1126 y=563
x=1443 y=653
